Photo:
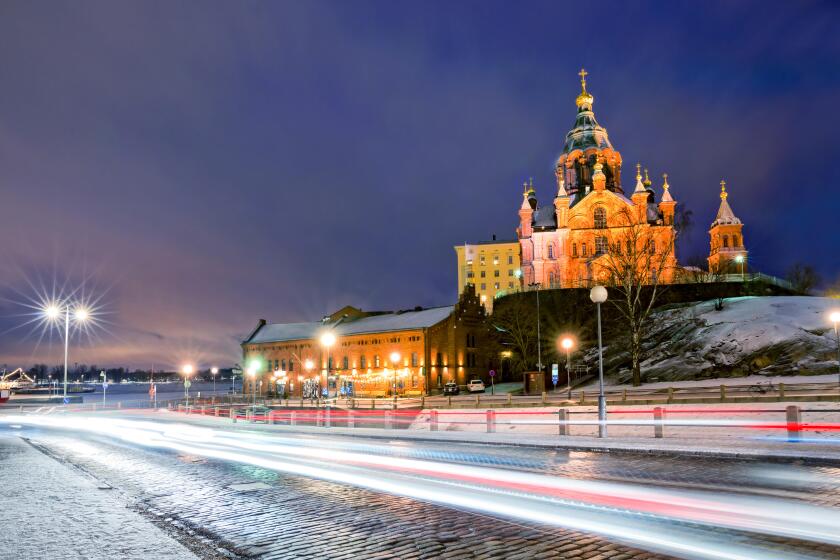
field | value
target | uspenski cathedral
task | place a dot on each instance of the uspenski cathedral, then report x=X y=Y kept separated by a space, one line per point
x=566 y=244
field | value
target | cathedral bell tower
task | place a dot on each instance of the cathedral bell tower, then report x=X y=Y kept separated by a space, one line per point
x=727 y=254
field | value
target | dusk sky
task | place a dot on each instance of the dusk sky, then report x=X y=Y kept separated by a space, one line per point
x=197 y=166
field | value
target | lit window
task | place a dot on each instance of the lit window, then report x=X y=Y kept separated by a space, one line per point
x=574 y=249
x=362 y=362
x=346 y=363
x=550 y=251
x=496 y=285
x=726 y=241
x=600 y=218
x=376 y=361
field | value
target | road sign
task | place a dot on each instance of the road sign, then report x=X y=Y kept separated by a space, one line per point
x=66 y=400
x=187 y=383
x=236 y=371
x=492 y=373
x=104 y=384
x=555 y=373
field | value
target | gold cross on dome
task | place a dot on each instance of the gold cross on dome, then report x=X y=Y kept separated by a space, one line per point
x=583 y=74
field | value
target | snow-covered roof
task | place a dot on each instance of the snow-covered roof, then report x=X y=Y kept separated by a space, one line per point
x=725 y=214
x=387 y=322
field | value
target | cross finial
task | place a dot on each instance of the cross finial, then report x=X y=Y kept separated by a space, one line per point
x=665 y=184
x=638 y=171
x=723 y=194
x=583 y=74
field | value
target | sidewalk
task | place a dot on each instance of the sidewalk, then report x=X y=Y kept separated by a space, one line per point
x=51 y=510
x=752 y=448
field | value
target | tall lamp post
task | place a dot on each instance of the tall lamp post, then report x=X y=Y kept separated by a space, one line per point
x=327 y=340
x=567 y=344
x=80 y=315
x=214 y=371
x=536 y=286
x=598 y=295
x=835 y=318
x=395 y=362
x=253 y=368
x=187 y=370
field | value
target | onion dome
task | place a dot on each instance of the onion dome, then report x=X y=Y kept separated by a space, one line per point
x=586 y=133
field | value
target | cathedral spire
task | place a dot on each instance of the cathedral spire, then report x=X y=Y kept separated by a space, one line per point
x=639 y=186
x=725 y=214
x=666 y=195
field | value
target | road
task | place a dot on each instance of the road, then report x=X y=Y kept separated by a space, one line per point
x=294 y=496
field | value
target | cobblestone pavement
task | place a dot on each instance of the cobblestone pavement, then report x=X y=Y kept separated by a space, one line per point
x=50 y=510
x=254 y=512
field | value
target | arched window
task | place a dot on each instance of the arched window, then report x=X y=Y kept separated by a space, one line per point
x=600 y=218
x=376 y=361
x=574 y=249
x=363 y=362
x=601 y=245
x=550 y=251
x=735 y=241
x=652 y=246
x=725 y=241
x=345 y=363
x=583 y=249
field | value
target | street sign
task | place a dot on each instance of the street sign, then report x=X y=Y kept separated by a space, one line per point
x=104 y=384
x=236 y=371
x=492 y=373
x=555 y=373
x=187 y=383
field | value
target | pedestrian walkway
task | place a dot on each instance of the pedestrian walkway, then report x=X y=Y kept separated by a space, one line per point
x=51 y=510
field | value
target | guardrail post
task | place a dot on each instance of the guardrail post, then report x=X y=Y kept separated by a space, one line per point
x=491 y=421
x=293 y=418
x=781 y=390
x=794 y=422
x=722 y=393
x=543 y=397
x=658 y=425
x=509 y=399
x=670 y=394
x=562 y=422
x=624 y=395
x=449 y=402
x=582 y=396
x=433 y=420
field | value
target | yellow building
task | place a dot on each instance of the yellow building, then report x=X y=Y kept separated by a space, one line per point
x=493 y=267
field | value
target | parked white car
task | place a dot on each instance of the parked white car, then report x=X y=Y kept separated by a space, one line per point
x=476 y=386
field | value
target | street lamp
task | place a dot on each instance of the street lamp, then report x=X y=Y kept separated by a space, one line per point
x=598 y=295
x=740 y=260
x=835 y=318
x=395 y=360
x=187 y=370
x=567 y=344
x=327 y=340
x=214 y=371
x=53 y=312
x=253 y=368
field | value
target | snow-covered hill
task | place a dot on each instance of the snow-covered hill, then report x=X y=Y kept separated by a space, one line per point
x=750 y=335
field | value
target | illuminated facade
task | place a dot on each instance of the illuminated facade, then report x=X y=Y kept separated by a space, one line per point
x=432 y=346
x=565 y=244
x=491 y=267
x=727 y=253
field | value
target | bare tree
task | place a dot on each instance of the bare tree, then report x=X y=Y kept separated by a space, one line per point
x=638 y=258
x=515 y=324
x=803 y=277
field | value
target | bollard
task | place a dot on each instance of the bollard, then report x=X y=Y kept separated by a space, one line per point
x=658 y=425
x=373 y=404
x=327 y=417
x=232 y=413
x=271 y=417
x=351 y=419
x=433 y=420
x=216 y=411
x=543 y=397
x=794 y=422
x=624 y=395
x=477 y=401
x=352 y=402
x=422 y=401
x=293 y=418
x=781 y=390
x=449 y=402
x=722 y=393
x=562 y=422
x=670 y=394
x=582 y=397
x=509 y=399
x=491 y=421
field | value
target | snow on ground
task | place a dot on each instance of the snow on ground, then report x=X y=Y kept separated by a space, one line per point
x=769 y=336
x=51 y=510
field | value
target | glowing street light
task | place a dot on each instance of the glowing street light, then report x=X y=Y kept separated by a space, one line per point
x=598 y=295
x=253 y=368
x=835 y=318
x=395 y=361
x=327 y=340
x=214 y=371
x=53 y=312
x=567 y=343
x=740 y=260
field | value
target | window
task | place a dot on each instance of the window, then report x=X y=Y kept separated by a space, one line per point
x=550 y=251
x=330 y=363
x=496 y=273
x=629 y=247
x=600 y=218
x=735 y=242
x=439 y=359
x=483 y=286
x=510 y=259
x=363 y=362
x=414 y=359
x=345 y=363
x=282 y=364
x=601 y=245
x=726 y=241
x=470 y=274
x=481 y=259
x=483 y=274
x=583 y=249
x=495 y=259
x=574 y=249
x=496 y=285
x=376 y=361
x=510 y=272
x=510 y=285
x=652 y=246
x=291 y=365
